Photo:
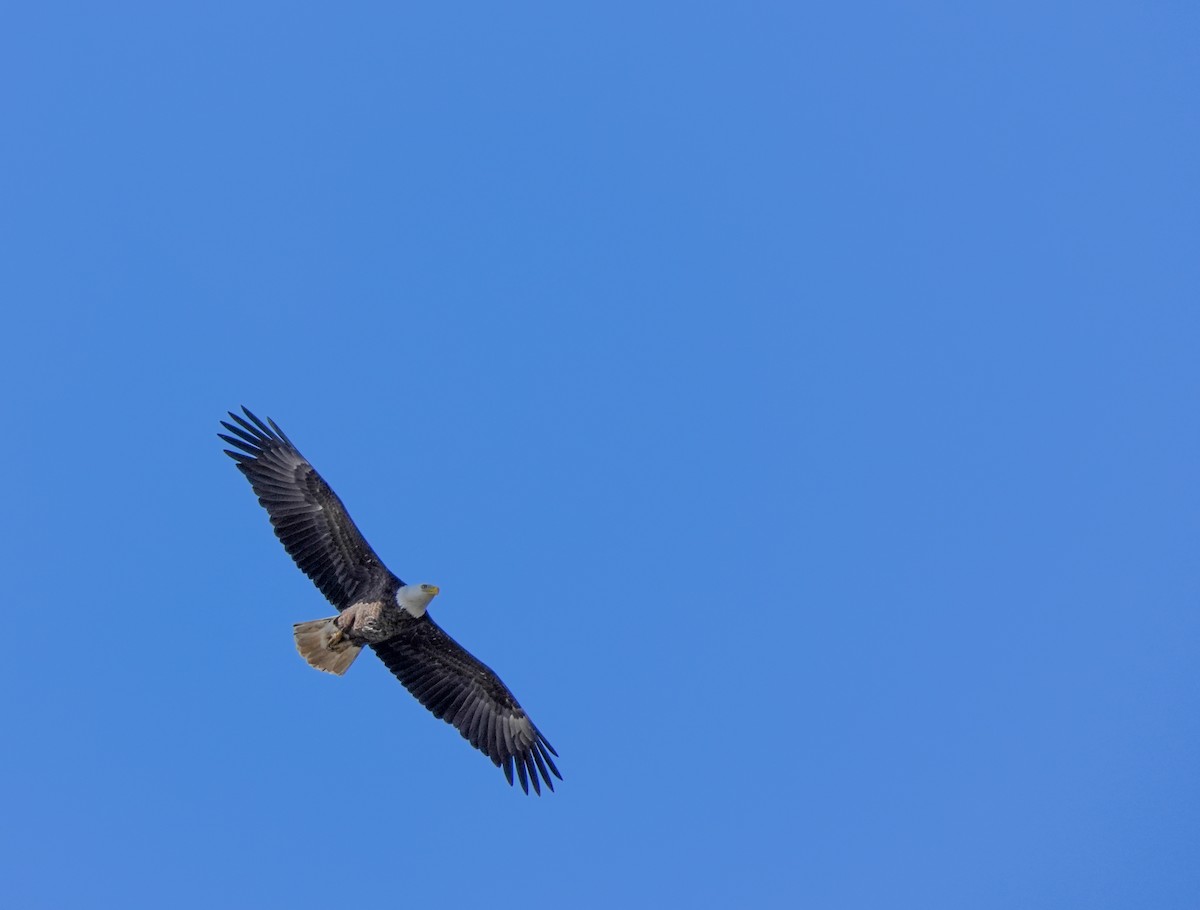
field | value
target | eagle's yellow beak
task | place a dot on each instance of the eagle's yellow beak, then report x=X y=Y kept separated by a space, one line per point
x=431 y=590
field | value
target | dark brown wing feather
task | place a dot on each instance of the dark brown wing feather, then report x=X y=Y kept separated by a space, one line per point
x=308 y=517
x=464 y=692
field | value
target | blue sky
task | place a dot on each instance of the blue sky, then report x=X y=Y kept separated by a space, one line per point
x=796 y=405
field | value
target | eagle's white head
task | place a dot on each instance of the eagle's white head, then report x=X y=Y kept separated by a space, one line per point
x=415 y=598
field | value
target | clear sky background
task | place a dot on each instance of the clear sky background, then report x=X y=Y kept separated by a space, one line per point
x=796 y=403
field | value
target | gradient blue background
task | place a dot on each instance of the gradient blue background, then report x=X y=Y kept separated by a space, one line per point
x=797 y=406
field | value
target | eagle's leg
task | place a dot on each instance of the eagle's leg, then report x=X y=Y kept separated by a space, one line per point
x=343 y=624
x=347 y=623
x=358 y=623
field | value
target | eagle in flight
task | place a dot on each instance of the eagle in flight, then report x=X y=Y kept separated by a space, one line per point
x=378 y=609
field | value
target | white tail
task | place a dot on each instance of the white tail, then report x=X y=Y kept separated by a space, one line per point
x=313 y=642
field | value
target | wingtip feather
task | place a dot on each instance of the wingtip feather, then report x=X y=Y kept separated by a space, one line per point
x=522 y=774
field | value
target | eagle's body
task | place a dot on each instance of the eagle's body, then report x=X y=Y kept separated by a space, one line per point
x=376 y=608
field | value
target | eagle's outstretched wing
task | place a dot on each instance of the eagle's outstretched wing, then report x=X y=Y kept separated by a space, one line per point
x=461 y=690
x=308 y=517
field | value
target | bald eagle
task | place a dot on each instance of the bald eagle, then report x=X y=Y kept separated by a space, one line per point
x=376 y=608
